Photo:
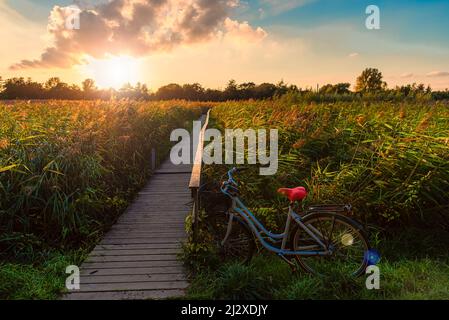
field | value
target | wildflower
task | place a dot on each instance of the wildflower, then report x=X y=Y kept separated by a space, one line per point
x=4 y=143
x=424 y=124
x=124 y=139
x=402 y=113
x=360 y=119
x=299 y=144
x=317 y=133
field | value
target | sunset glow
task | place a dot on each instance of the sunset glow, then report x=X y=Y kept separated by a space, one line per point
x=113 y=72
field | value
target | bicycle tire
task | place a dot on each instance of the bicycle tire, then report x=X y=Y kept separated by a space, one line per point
x=240 y=245
x=347 y=239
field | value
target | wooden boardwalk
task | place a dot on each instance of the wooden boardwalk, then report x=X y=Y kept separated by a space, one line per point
x=137 y=259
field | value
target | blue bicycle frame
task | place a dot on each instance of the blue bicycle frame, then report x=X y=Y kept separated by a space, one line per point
x=261 y=232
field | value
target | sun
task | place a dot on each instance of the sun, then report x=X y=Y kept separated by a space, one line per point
x=113 y=72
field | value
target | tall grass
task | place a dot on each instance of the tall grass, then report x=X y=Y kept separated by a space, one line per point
x=390 y=160
x=67 y=169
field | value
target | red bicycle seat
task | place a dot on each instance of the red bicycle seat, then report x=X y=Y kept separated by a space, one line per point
x=295 y=194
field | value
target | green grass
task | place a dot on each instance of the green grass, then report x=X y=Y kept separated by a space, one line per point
x=267 y=277
x=414 y=265
x=43 y=280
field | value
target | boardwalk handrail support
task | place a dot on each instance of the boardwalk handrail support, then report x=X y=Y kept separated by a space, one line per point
x=195 y=179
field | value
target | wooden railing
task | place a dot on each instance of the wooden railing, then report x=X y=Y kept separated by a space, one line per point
x=195 y=179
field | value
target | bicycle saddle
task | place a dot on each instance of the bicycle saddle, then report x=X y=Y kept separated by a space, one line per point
x=295 y=194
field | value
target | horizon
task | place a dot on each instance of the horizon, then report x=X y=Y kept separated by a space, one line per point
x=302 y=42
x=153 y=90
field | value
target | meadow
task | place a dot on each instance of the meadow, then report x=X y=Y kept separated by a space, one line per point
x=67 y=171
x=390 y=160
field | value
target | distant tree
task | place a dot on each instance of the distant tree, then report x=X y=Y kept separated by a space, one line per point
x=413 y=90
x=342 y=88
x=246 y=90
x=281 y=88
x=265 y=91
x=14 y=88
x=19 y=88
x=231 y=91
x=171 y=91
x=52 y=83
x=213 y=95
x=370 y=81
x=89 y=85
x=54 y=88
x=141 y=91
x=339 y=88
x=89 y=89
x=193 y=92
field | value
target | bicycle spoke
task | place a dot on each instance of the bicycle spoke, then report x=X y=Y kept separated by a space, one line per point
x=348 y=247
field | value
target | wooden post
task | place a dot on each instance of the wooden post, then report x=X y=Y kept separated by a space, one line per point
x=195 y=179
x=196 y=213
x=153 y=159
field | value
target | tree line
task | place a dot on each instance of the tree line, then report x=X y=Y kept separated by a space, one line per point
x=370 y=82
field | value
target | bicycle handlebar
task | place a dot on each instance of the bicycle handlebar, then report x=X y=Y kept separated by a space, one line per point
x=232 y=171
x=230 y=177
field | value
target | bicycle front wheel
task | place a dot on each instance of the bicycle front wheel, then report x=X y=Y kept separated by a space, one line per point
x=239 y=246
x=342 y=236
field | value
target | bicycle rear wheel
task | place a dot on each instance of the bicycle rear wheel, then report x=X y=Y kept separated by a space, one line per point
x=340 y=234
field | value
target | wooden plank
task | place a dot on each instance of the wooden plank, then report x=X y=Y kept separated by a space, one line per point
x=140 y=241
x=130 y=264
x=130 y=258
x=148 y=221
x=158 y=193
x=153 y=230
x=131 y=286
x=126 y=295
x=156 y=214
x=141 y=217
x=135 y=271
x=151 y=233
x=146 y=226
x=137 y=246
x=159 y=212
x=136 y=220
x=94 y=279
x=157 y=207
x=133 y=252
x=146 y=236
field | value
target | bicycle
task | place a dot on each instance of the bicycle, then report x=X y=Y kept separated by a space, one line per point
x=320 y=239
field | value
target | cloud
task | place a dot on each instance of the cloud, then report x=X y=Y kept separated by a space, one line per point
x=407 y=75
x=137 y=28
x=434 y=74
x=279 y=6
x=243 y=31
x=353 y=55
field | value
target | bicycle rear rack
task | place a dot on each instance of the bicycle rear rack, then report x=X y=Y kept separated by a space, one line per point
x=329 y=208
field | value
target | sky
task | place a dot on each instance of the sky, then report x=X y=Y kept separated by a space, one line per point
x=302 y=42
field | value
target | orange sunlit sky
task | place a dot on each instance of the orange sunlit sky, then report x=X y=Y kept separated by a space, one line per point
x=303 y=42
